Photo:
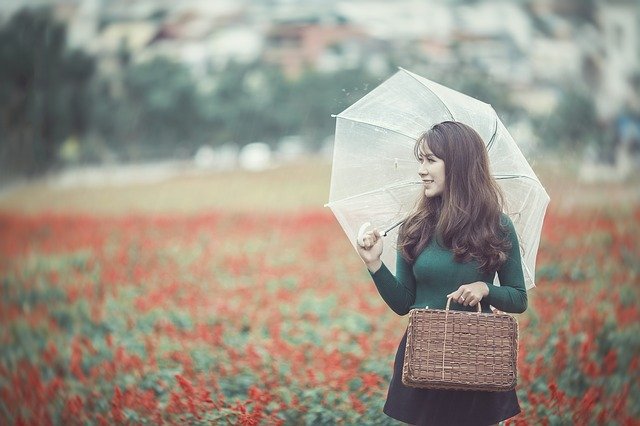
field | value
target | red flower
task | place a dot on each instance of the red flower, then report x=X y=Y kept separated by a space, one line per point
x=75 y=363
x=586 y=407
x=610 y=362
x=370 y=383
x=591 y=369
x=50 y=353
x=357 y=405
x=73 y=407
x=558 y=398
x=258 y=396
x=117 y=406
x=560 y=356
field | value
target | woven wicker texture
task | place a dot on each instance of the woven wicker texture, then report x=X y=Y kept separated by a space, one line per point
x=461 y=350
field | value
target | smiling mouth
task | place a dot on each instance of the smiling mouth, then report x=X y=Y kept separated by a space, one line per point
x=427 y=181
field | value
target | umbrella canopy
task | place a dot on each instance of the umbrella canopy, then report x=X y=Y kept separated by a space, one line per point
x=375 y=174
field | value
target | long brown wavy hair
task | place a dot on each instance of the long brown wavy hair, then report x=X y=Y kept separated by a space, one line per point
x=466 y=216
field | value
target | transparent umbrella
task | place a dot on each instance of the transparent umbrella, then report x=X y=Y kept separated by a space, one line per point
x=374 y=173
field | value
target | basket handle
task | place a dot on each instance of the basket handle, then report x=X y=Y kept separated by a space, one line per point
x=449 y=302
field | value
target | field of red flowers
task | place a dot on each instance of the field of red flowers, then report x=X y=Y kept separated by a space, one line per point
x=227 y=318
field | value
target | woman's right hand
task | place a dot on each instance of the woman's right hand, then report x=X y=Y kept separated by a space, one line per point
x=371 y=250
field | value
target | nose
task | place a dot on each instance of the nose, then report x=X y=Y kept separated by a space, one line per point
x=422 y=169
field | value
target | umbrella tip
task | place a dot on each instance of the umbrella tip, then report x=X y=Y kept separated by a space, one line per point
x=334 y=115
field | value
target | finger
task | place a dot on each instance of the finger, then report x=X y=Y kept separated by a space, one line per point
x=372 y=237
x=464 y=297
x=455 y=296
x=375 y=236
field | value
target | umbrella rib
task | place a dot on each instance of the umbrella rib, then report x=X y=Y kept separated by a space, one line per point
x=495 y=133
x=432 y=92
x=383 y=189
x=375 y=125
x=506 y=177
x=495 y=123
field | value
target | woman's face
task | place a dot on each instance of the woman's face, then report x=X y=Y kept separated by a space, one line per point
x=431 y=172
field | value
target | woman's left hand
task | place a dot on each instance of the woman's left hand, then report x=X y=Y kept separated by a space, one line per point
x=470 y=294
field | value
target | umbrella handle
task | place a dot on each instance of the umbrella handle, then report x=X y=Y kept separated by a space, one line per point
x=361 y=232
x=384 y=234
x=364 y=227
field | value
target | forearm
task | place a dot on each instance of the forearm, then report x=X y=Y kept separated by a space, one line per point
x=394 y=293
x=511 y=296
x=507 y=299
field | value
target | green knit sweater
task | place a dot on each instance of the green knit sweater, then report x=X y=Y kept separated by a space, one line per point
x=435 y=273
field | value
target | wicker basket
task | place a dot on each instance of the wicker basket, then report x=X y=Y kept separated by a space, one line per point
x=461 y=350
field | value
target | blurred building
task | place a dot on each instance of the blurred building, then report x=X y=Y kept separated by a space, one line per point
x=612 y=62
x=298 y=45
x=555 y=59
x=496 y=37
x=402 y=20
x=192 y=31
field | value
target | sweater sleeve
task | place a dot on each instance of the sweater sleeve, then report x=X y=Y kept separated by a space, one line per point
x=511 y=295
x=399 y=292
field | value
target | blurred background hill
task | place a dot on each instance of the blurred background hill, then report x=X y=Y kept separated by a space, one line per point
x=200 y=85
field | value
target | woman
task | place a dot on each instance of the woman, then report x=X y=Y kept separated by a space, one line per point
x=451 y=245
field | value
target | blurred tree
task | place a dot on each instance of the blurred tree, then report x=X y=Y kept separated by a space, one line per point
x=257 y=103
x=157 y=109
x=43 y=90
x=484 y=88
x=315 y=96
x=157 y=113
x=573 y=124
x=243 y=106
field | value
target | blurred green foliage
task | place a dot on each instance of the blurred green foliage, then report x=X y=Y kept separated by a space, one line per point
x=573 y=124
x=162 y=110
x=154 y=103
x=480 y=86
x=43 y=88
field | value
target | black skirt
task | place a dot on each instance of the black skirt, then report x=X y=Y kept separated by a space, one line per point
x=445 y=407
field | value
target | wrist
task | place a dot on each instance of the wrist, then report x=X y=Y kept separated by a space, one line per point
x=374 y=265
x=486 y=289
